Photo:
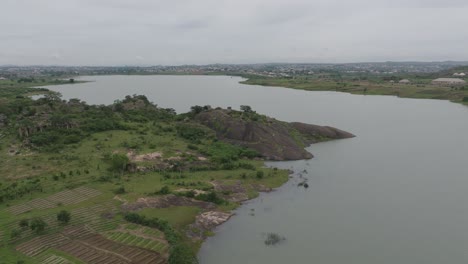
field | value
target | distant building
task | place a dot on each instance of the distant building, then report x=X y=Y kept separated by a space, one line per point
x=449 y=82
x=2 y=78
x=404 y=81
x=461 y=74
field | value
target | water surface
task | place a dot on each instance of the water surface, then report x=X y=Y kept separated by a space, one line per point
x=397 y=193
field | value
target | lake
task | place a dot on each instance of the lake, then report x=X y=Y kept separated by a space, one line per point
x=397 y=193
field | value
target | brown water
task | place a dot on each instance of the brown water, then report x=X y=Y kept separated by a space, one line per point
x=395 y=194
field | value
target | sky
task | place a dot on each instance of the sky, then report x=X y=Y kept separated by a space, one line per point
x=177 y=32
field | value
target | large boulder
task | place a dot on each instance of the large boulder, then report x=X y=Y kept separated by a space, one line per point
x=273 y=139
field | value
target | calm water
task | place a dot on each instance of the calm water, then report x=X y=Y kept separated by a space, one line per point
x=395 y=194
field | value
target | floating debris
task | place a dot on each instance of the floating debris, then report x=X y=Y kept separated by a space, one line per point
x=274 y=239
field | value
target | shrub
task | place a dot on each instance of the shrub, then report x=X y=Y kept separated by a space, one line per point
x=164 y=190
x=24 y=223
x=260 y=174
x=64 y=217
x=193 y=132
x=118 y=162
x=37 y=225
x=120 y=190
x=210 y=197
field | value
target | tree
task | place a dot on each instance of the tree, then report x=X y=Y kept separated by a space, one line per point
x=246 y=109
x=24 y=223
x=164 y=190
x=119 y=162
x=37 y=225
x=63 y=217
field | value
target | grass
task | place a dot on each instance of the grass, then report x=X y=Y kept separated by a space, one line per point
x=85 y=163
x=420 y=88
x=179 y=216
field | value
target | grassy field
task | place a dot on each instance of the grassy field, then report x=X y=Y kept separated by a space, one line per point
x=421 y=87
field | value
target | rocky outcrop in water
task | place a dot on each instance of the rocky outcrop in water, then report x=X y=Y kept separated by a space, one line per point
x=272 y=139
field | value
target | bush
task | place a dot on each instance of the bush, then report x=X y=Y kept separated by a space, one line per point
x=120 y=190
x=260 y=174
x=164 y=190
x=37 y=225
x=210 y=197
x=24 y=223
x=118 y=162
x=64 y=217
x=193 y=132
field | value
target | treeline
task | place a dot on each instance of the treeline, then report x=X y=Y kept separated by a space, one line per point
x=19 y=189
x=49 y=123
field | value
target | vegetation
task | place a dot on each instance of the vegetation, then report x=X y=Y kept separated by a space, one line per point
x=38 y=225
x=420 y=86
x=273 y=239
x=63 y=162
x=180 y=253
x=64 y=217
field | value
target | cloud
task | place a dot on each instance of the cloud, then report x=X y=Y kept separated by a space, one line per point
x=108 y=32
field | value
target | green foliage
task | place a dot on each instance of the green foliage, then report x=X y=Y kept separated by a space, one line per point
x=179 y=252
x=221 y=152
x=120 y=190
x=64 y=217
x=164 y=190
x=19 y=189
x=182 y=254
x=171 y=235
x=118 y=162
x=24 y=223
x=260 y=174
x=37 y=225
x=210 y=197
x=246 y=109
x=193 y=132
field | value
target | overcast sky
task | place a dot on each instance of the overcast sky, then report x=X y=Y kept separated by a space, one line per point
x=174 y=32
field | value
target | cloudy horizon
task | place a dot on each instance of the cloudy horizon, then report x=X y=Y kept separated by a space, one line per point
x=145 y=32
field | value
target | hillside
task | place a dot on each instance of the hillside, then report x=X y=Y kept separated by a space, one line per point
x=272 y=139
x=130 y=182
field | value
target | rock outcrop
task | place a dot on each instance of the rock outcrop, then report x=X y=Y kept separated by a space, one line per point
x=272 y=139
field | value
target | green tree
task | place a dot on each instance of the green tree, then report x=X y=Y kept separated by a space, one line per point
x=119 y=162
x=64 y=217
x=37 y=225
x=246 y=109
x=24 y=223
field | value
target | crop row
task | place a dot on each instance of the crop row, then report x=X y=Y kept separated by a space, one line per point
x=39 y=244
x=133 y=240
x=66 y=197
x=54 y=259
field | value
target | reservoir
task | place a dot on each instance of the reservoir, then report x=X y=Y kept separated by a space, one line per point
x=395 y=194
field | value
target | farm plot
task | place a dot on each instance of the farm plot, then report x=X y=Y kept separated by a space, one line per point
x=54 y=259
x=39 y=244
x=98 y=218
x=138 y=241
x=89 y=254
x=97 y=249
x=66 y=197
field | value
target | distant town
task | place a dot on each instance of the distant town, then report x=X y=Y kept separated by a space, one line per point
x=266 y=70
